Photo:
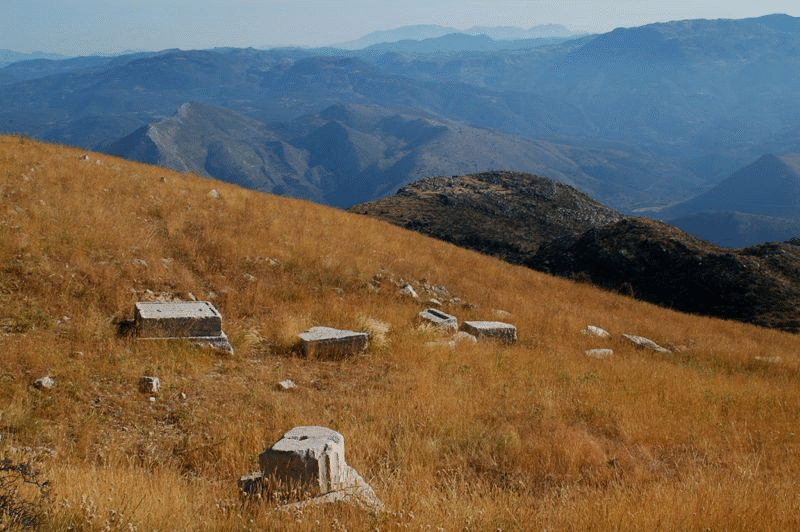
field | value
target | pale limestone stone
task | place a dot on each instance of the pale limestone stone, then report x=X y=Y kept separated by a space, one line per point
x=493 y=330
x=179 y=319
x=327 y=342
x=409 y=291
x=286 y=385
x=464 y=337
x=439 y=319
x=309 y=460
x=309 y=463
x=196 y=321
x=600 y=353
x=592 y=330
x=645 y=343
x=44 y=383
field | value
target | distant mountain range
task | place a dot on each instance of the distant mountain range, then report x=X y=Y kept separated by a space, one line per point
x=640 y=118
x=350 y=153
x=9 y=56
x=433 y=31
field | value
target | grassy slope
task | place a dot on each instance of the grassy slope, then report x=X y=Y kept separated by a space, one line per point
x=531 y=436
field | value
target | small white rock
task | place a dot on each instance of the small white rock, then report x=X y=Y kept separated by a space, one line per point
x=591 y=330
x=286 y=385
x=600 y=353
x=409 y=291
x=645 y=343
x=44 y=383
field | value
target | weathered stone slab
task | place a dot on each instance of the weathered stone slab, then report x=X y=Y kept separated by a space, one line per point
x=593 y=330
x=181 y=319
x=308 y=460
x=327 y=342
x=600 y=353
x=645 y=343
x=196 y=321
x=493 y=330
x=439 y=319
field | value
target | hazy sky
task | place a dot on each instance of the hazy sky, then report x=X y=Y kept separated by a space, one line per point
x=83 y=27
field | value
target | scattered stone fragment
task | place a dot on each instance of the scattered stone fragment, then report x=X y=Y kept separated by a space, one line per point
x=493 y=330
x=310 y=462
x=501 y=314
x=464 y=337
x=600 y=353
x=409 y=291
x=434 y=302
x=327 y=342
x=645 y=343
x=213 y=194
x=286 y=385
x=251 y=484
x=148 y=384
x=44 y=383
x=439 y=319
x=592 y=330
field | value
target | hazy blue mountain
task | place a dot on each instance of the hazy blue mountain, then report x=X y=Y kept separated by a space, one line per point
x=737 y=229
x=351 y=153
x=415 y=32
x=543 y=31
x=770 y=186
x=223 y=144
x=459 y=42
x=433 y=31
x=10 y=56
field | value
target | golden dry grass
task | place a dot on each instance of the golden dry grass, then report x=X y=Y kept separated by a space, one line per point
x=534 y=436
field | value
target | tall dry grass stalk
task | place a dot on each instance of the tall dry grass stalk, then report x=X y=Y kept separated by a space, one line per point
x=524 y=437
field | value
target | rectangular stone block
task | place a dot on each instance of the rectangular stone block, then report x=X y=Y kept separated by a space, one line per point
x=183 y=319
x=494 y=330
x=327 y=342
x=439 y=319
x=307 y=461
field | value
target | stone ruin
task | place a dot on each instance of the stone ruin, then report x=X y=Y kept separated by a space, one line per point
x=196 y=321
x=491 y=330
x=327 y=342
x=439 y=319
x=308 y=464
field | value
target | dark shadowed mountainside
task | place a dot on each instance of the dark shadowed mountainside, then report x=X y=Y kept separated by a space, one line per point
x=547 y=226
x=660 y=263
x=506 y=214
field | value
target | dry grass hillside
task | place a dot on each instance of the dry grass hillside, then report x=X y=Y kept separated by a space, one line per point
x=532 y=436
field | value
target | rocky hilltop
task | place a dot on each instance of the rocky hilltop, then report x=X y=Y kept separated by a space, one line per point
x=552 y=227
x=506 y=214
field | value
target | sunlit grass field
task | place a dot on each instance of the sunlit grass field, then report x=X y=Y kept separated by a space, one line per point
x=534 y=436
